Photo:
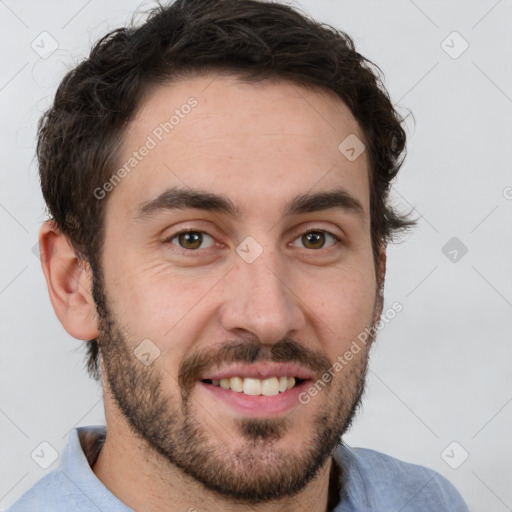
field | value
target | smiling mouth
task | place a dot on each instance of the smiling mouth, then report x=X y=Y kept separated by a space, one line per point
x=252 y=386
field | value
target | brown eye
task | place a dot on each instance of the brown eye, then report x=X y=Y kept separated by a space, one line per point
x=191 y=240
x=317 y=239
x=313 y=240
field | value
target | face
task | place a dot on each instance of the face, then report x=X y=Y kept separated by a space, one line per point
x=237 y=246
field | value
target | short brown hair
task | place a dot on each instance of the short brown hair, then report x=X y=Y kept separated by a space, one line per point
x=79 y=136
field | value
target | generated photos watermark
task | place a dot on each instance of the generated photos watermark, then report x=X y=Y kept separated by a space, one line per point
x=344 y=359
x=152 y=140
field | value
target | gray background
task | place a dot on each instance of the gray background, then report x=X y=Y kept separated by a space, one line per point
x=441 y=371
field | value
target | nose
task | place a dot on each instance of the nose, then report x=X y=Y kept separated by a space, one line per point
x=259 y=300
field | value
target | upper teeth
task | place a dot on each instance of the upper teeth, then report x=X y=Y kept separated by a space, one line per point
x=250 y=386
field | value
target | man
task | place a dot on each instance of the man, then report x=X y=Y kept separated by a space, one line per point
x=217 y=180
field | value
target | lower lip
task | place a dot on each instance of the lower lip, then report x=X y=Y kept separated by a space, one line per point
x=259 y=405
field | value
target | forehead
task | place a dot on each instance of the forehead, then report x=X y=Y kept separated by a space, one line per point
x=272 y=139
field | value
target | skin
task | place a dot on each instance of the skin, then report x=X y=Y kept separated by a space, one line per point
x=260 y=145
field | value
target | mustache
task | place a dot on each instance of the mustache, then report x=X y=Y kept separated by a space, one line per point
x=248 y=351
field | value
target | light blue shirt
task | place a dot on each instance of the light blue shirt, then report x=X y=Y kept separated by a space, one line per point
x=372 y=482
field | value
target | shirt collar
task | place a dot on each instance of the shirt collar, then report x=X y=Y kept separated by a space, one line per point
x=75 y=467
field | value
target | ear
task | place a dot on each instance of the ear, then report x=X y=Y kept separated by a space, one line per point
x=380 y=268
x=69 y=282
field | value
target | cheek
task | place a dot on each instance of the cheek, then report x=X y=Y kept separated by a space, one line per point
x=341 y=305
x=155 y=302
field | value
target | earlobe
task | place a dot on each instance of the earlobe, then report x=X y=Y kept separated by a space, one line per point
x=69 y=282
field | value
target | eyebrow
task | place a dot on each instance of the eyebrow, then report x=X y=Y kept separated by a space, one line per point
x=181 y=199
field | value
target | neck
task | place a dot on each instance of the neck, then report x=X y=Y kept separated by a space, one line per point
x=145 y=481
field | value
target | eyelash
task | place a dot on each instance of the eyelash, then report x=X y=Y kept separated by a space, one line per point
x=168 y=240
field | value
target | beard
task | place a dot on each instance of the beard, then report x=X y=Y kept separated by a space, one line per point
x=251 y=469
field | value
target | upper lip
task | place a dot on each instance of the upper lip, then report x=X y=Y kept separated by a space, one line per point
x=262 y=370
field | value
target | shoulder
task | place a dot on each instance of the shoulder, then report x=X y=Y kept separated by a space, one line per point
x=48 y=494
x=373 y=479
